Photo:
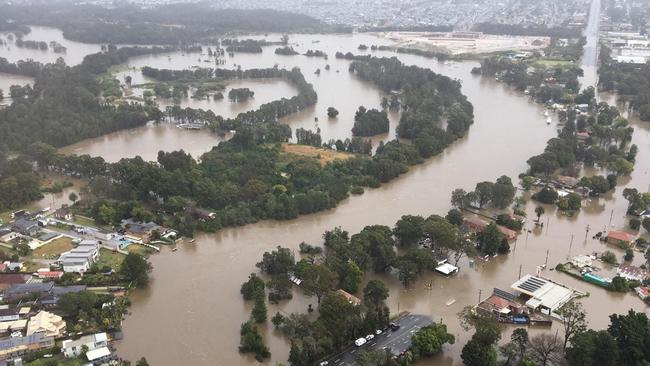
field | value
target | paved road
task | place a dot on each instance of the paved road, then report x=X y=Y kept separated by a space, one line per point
x=397 y=341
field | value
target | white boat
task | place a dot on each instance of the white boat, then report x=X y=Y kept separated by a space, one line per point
x=545 y=113
x=548 y=120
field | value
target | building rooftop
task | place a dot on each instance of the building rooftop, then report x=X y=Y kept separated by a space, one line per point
x=98 y=353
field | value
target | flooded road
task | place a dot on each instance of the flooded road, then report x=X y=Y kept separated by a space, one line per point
x=589 y=62
x=192 y=311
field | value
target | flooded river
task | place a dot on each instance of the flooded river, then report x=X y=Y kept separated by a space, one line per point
x=192 y=310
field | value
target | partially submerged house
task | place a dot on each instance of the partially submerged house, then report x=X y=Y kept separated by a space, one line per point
x=141 y=231
x=476 y=224
x=617 y=237
x=349 y=297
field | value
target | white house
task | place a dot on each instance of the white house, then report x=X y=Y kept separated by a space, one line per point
x=73 y=348
x=81 y=258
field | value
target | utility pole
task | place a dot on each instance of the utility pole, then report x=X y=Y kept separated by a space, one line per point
x=586 y=232
x=519 y=272
x=479 y=295
x=570 y=245
x=546 y=262
x=611 y=215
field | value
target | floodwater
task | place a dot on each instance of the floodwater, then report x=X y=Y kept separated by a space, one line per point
x=192 y=310
x=74 y=54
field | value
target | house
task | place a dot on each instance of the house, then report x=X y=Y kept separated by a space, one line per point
x=543 y=295
x=501 y=304
x=620 y=238
x=13 y=266
x=63 y=213
x=103 y=234
x=141 y=231
x=351 y=298
x=447 y=269
x=46 y=323
x=26 y=227
x=19 y=291
x=581 y=261
x=565 y=181
x=476 y=224
x=99 y=356
x=17 y=346
x=73 y=348
x=9 y=279
x=81 y=258
x=10 y=327
x=7 y=235
x=9 y=314
x=632 y=273
x=49 y=274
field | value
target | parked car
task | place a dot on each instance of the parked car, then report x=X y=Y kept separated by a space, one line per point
x=378 y=331
x=369 y=337
x=324 y=363
x=360 y=342
x=394 y=326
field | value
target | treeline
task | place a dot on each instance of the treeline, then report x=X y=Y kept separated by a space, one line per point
x=630 y=81
x=64 y=104
x=530 y=30
x=287 y=51
x=27 y=68
x=35 y=45
x=174 y=75
x=316 y=53
x=244 y=45
x=171 y=24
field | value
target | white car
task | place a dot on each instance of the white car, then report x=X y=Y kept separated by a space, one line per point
x=369 y=337
x=324 y=363
x=378 y=331
x=360 y=342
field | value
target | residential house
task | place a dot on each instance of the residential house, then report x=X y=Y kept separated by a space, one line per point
x=19 y=291
x=101 y=234
x=7 y=235
x=17 y=346
x=200 y=213
x=476 y=224
x=643 y=292
x=543 y=295
x=632 y=273
x=63 y=213
x=565 y=181
x=351 y=298
x=501 y=304
x=13 y=266
x=73 y=348
x=26 y=227
x=9 y=314
x=9 y=279
x=46 y=323
x=81 y=258
x=141 y=231
x=620 y=238
x=99 y=356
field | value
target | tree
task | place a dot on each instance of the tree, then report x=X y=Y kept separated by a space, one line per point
x=428 y=341
x=279 y=261
x=646 y=223
x=479 y=350
x=352 y=277
x=484 y=191
x=593 y=348
x=409 y=229
x=459 y=198
x=332 y=112
x=573 y=320
x=259 y=313
x=632 y=334
x=135 y=269
x=73 y=197
x=515 y=350
x=490 y=239
x=539 y=211
x=545 y=350
x=252 y=342
x=318 y=280
x=142 y=362
x=375 y=292
x=252 y=288
x=629 y=255
x=455 y=217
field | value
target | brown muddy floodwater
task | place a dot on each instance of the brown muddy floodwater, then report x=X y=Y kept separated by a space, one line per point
x=192 y=310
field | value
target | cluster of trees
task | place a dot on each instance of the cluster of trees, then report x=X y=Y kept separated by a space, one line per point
x=316 y=53
x=18 y=183
x=240 y=94
x=637 y=201
x=499 y=194
x=426 y=99
x=36 y=45
x=307 y=137
x=84 y=311
x=607 y=147
x=244 y=45
x=175 y=75
x=64 y=105
x=630 y=81
x=369 y=122
x=21 y=67
x=287 y=51
x=357 y=145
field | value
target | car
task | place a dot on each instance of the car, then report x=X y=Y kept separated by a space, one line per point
x=378 y=332
x=324 y=363
x=369 y=337
x=360 y=342
x=394 y=326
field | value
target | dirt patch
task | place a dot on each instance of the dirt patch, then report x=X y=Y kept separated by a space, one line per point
x=324 y=156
